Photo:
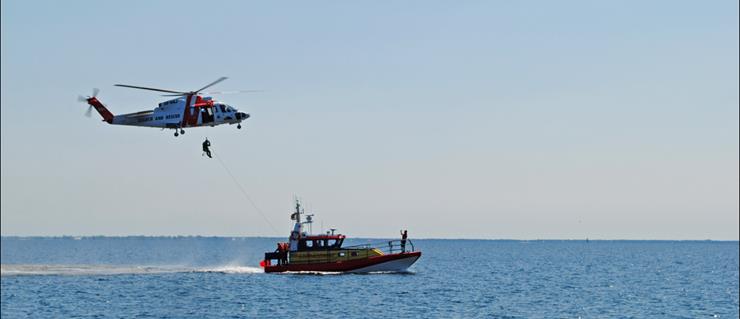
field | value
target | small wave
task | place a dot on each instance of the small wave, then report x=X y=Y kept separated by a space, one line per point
x=98 y=270
x=101 y=270
x=232 y=270
x=19 y=270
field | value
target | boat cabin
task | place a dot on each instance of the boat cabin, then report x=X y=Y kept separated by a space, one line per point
x=320 y=242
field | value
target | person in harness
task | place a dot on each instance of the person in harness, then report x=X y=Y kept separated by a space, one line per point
x=206 y=145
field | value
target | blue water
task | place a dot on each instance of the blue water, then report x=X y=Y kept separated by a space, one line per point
x=199 y=277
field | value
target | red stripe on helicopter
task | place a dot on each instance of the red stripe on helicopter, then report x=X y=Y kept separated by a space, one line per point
x=192 y=111
x=186 y=116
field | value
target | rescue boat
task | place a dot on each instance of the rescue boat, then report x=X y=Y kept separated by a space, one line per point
x=325 y=252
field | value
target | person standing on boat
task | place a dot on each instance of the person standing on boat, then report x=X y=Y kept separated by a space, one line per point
x=404 y=235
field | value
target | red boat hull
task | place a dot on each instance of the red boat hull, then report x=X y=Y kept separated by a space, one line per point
x=390 y=262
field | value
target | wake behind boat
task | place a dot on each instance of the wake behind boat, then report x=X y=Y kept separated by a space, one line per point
x=324 y=252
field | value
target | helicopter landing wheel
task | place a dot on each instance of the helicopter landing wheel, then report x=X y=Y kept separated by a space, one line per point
x=239 y=126
x=176 y=134
x=182 y=131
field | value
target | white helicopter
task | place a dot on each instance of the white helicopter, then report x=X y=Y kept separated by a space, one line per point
x=188 y=109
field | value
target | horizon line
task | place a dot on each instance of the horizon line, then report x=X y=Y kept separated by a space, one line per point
x=417 y=238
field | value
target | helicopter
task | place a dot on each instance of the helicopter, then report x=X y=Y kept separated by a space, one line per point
x=187 y=109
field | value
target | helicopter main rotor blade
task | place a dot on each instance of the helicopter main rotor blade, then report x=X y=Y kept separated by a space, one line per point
x=232 y=92
x=212 y=84
x=218 y=92
x=151 y=89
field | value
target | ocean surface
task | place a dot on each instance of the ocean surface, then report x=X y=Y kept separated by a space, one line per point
x=207 y=277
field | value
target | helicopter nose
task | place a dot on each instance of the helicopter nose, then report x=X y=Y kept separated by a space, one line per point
x=242 y=116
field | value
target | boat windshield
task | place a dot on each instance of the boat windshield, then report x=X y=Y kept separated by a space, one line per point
x=320 y=243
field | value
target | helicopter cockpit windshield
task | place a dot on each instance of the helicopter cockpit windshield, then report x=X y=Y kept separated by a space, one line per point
x=225 y=108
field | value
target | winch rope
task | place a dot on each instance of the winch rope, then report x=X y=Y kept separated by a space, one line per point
x=244 y=192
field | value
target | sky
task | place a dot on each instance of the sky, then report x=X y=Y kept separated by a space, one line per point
x=452 y=119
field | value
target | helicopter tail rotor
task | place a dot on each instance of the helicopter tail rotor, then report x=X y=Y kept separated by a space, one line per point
x=81 y=98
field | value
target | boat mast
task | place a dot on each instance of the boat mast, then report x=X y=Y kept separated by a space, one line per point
x=296 y=233
x=297 y=215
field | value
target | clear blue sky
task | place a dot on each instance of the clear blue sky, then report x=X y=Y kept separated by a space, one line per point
x=455 y=119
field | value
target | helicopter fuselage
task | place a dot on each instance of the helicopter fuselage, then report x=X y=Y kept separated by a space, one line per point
x=202 y=111
x=189 y=109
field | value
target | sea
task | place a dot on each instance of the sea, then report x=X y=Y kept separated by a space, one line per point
x=220 y=277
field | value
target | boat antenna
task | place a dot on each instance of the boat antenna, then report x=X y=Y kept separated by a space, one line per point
x=309 y=221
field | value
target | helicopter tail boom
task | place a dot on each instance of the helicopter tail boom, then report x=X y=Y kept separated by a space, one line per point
x=107 y=115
